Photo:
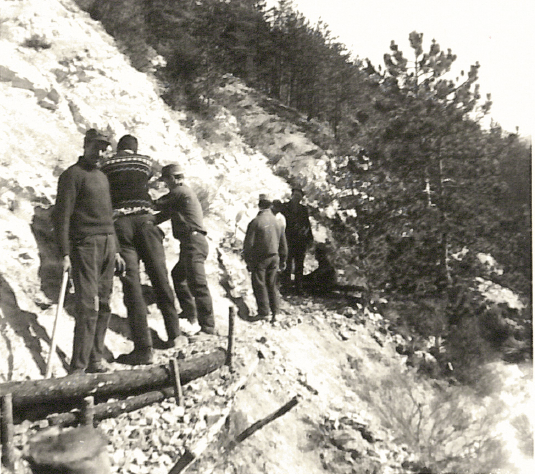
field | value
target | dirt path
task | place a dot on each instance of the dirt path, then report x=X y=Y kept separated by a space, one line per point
x=303 y=355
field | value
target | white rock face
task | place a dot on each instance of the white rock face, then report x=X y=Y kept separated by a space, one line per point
x=60 y=74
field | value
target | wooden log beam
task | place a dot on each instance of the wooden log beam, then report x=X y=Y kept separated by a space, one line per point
x=35 y=399
x=103 y=411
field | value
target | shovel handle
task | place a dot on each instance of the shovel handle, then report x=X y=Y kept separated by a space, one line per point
x=61 y=300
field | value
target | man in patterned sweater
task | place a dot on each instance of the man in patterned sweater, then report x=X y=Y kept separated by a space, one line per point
x=139 y=238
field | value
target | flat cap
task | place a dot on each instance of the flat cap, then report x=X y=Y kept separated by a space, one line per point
x=173 y=169
x=96 y=135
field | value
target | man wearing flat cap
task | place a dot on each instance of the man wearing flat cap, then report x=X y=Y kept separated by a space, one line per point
x=182 y=206
x=265 y=251
x=140 y=240
x=83 y=223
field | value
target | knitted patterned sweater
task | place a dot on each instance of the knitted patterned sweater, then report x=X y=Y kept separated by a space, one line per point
x=129 y=174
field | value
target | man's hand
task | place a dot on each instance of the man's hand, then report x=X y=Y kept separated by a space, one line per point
x=120 y=265
x=66 y=264
x=282 y=266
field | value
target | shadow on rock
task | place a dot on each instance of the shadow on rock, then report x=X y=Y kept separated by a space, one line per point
x=50 y=263
x=26 y=326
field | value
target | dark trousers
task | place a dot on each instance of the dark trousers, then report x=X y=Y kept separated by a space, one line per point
x=189 y=280
x=296 y=258
x=264 y=281
x=93 y=265
x=141 y=240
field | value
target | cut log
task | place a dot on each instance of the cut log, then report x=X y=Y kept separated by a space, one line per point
x=35 y=399
x=103 y=411
x=112 y=409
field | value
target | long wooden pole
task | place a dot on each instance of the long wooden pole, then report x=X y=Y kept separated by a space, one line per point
x=59 y=309
x=261 y=423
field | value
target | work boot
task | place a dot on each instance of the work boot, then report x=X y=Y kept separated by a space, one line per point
x=137 y=357
x=208 y=330
x=192 y=319
x=98 y=367
x=205 y=334
x=77 y=371
x=178 y=342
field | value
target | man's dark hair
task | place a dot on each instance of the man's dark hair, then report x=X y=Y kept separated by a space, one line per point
x=263 y=204
x=127 y=142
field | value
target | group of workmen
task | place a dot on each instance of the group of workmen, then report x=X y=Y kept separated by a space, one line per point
x=106 y=222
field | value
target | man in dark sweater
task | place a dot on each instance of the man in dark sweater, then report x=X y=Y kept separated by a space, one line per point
x=299 y=237
x=265 y=251
x=182 y=206
x=83 y=224
x=140 y=239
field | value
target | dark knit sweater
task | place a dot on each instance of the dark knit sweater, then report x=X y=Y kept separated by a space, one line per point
x=182 y=206
x=129 y=174
x=298 y=228
x=83 y=205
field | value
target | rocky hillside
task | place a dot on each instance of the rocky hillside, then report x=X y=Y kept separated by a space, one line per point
x=361 y=408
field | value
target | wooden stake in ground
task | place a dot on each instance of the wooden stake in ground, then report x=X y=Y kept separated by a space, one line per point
x=230 y=348
x=8 y=454
x=175 y=377
x=88 y=411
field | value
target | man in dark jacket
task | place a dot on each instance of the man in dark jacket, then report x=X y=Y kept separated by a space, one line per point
x=299 y=237
x=83 y=223
x=322 y=279
x=265 y=251
x=182 y=206
x=139 y=238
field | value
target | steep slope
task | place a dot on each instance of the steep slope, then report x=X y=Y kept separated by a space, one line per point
x=61 y=74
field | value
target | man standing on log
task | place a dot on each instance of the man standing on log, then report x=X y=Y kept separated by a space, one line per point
x=299 y=237
x=83 y=223
x=182 y=206
x=265 y=251
x=140 y=239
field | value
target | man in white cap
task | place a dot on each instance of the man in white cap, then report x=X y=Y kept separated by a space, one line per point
x=265 y=251
x=182 y=206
